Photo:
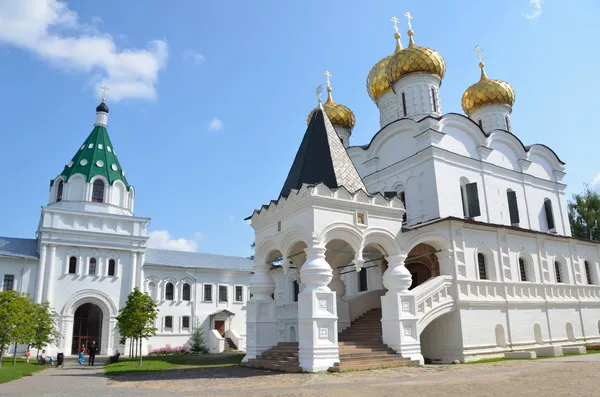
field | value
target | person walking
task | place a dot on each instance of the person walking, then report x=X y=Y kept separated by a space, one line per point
x=92 y=350
x=28 y=355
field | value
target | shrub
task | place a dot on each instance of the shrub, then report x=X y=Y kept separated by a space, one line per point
x=197 y=343
x=170 y=351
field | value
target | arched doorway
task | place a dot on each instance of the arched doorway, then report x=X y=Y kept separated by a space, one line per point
x=87 y=327
x=422 y=263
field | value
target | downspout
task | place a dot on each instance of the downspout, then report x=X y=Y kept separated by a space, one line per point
x=22 y=272
x=195 y=298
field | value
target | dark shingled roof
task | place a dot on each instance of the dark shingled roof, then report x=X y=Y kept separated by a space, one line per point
x=322 y=158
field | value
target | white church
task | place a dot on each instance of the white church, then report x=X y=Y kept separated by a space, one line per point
x=444 y=238
x=90 y=253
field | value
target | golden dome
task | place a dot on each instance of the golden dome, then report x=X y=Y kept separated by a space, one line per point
x=487 y=91
x=377 y=82
x=415 y=59
x=338 y=114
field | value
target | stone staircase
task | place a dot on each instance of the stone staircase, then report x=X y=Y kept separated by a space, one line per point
x=229 y=344
x=361 y=346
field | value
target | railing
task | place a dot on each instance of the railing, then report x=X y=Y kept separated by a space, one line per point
x=216 y=343
x=363 y=302
x=433 y=298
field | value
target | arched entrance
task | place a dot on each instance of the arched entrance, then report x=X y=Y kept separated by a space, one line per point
x=422 y=263
x=87 y=327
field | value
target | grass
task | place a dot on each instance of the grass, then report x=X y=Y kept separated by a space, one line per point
x=10 y=372
x=500 y=359
x=166 y=363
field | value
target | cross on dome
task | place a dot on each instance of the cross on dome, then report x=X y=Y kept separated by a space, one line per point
x=104 y=89
x=319 y=89
x=328 y=75
x=479 y=51
x=409 y=17
x=395 y=21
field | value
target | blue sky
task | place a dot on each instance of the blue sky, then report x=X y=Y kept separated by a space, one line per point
x=209 y=99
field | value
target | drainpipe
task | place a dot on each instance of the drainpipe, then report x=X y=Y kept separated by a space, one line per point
x=193 y=319
x=22 y=272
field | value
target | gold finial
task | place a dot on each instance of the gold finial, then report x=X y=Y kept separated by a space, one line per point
x=395 y=21
x=329 y=99
x=397 y=34
x=104 y=88
x=411 y=42
x=481 y=64
x=407 y=15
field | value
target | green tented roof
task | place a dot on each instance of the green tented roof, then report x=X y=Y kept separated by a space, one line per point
x=96 y=157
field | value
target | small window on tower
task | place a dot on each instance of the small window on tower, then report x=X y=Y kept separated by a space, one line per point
x=59 y=191
x=98 y=191
x=433 y=97
x=404 y=104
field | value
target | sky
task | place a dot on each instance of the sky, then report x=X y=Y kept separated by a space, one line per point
x=208 y=100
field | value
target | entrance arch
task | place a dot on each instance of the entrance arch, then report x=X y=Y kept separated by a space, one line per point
x=87 y=327
x=422 y=263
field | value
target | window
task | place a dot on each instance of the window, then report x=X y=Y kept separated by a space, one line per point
x=522 y=269
x=169 y=292
x=111 y=267
x=507 y=121
x=434 y=100
x=558 y=272
x=588 y=272
x=9 y=281
x=482 y=267
x=480 y=123
x=404 y=104
x=470 y=200
x=362 y=280
x=513 y=209
x=59 y=191
x=403 y=199
x=92 y=267
x=239 y=293
x=168 y=322
x=549 y=215
x=296 y=288
x=208 y=292
x=185 y=322
x=72 y=265
x=187 y=292
x=222 y=293
x=98 y=191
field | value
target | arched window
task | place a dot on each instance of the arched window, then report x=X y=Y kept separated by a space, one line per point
x=404 y=104
x=72 y=265
x=59 y=191
x=483 y=273
x=435 y=108
x=513 y=208
x=549 y=215
x=480 y=122
x=296 y=288
x=558 y=272
x=111 y=267
x=187 y=292
x=98 y=191
x=362 y=281
x=523 y=270
x=588 y=272
x=92 y=267
x=169 y=292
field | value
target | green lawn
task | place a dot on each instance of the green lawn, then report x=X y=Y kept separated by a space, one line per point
x=162 y=363
x=10 y=372
x=499 y=359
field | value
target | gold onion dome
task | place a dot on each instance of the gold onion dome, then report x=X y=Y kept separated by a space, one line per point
x=415 y=59
x=338 y=114
x=377 y=82
x=487 y=91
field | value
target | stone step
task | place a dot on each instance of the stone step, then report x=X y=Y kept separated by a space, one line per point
x=373 y=360
x=375 y=355
x=259 y=361
x=272 y=367
x=366 y=366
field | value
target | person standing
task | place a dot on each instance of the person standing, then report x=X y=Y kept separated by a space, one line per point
x=92 y=350
x=28 y=355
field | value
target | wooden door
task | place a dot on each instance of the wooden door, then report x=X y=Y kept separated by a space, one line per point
x=220 y=326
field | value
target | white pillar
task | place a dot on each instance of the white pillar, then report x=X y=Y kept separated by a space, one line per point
x=317 y=314
x=399 y=311
x=140 y=270
x=132 y=272
x=343 y=306
x=261 y=321
x=50 y=281
x=40 y=274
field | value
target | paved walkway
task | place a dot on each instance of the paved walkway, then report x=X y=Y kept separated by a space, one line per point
x=565 y=376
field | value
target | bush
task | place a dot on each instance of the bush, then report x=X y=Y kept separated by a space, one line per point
x=197 y=344
x=170 y=351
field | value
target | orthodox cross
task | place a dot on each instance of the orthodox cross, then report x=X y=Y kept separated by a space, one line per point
x=319 y=89
x=407 y=15
x=479 y=51
x=104 y=88
x=328 y=75
x=395 y=21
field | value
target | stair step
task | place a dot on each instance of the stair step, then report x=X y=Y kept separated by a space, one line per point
x=360 y=367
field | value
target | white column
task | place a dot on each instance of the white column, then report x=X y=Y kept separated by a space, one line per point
x=343 y=306
x=50 y=281
x=399 y=311
x=261 y=321
x=41 y=271
x=317 y=314
x=140 y=270
x=82 y=265
x=132 y=272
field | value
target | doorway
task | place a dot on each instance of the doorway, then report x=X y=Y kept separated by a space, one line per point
x=87 y=327
x=422 y=263
x=220 y=327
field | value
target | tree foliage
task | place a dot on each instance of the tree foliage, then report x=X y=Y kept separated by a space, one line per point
x=584 y=214
x=45 y=330
x=197 y=342
x=136 y=318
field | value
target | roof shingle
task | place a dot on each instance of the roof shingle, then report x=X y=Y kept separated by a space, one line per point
x=13 y=247
x=197 y=260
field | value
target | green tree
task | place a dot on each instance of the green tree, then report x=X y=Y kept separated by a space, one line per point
x=136 y=318
x=15 y=320
x=197 y=343
x=584 y=214
x=44 y=329
x=253 y=246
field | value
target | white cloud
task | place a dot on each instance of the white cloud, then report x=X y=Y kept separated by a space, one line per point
x=49 y=29
x=162 y=239
x=215 y=124
x=595 y=185
x=537 y=10
x=193 y=56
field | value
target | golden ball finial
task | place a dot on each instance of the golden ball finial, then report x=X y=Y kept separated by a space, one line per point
x=338 y=114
